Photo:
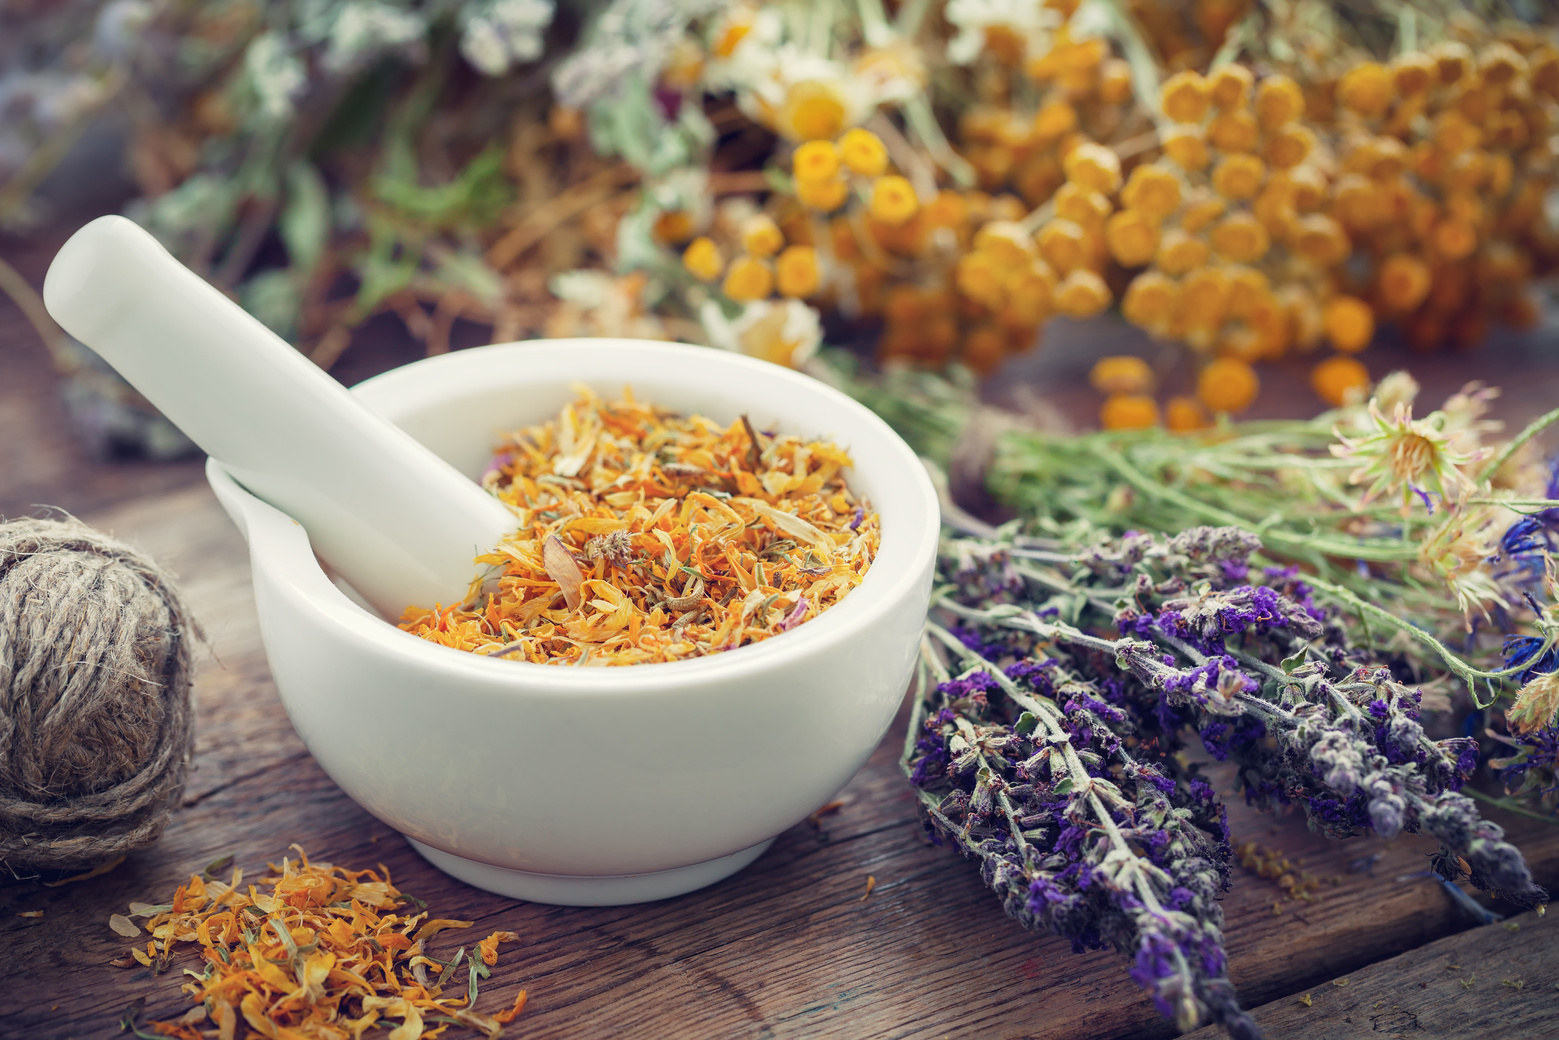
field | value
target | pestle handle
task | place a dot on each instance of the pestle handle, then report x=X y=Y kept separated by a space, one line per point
x=396 y=521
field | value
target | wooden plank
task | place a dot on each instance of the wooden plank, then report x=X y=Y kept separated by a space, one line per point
x=1501 y=980
x=788 y=948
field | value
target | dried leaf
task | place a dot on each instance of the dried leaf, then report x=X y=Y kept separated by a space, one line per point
x=433 y=927
x=122 y=925
x=563 y=569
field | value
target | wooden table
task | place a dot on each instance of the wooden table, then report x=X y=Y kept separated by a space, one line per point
x=791 y=947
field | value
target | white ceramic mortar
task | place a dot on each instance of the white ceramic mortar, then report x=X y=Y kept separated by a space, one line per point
x=596 y=786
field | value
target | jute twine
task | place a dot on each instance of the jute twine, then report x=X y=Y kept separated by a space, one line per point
x=96 y=723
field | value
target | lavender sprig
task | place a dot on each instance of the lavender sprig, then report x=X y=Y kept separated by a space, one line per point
x=1027 y=770
x=1262 y=676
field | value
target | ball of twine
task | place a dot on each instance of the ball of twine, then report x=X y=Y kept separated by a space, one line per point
x=96 y=722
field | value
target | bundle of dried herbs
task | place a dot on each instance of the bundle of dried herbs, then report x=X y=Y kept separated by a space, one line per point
x=645 y=535
x=1034 y=759
x=327 y=953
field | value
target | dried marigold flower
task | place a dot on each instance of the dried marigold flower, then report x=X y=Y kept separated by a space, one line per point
x=1274 y=207
x=1185 y=97
x=1186 y=147
x=1320 y=239
x=1182 y=414
x=1063 y=244
x=1349 y=323
x=1152 y=301
x=1234 y=132
x=1413 y=73
x=1227 y=385
x=1121 y=374
x=1290 y=145
x=761 y=236
x=863 y=152
x=1340 y=380
x=1054 y=119
x=815 y=161
x=893 y=200
x=674 y=227
x=1095 y=167
x=796 y=271
x=1308 y=187
x=1128 y=412
x=1132 y=237
x=702 y=259
x=1279 y=101
x=748 y=278
x=1083 y=207
x=1404 y=281
x=1239 y=176
x=1152 y=190
x=824 y=196
x=1240 y=237
x=1082 y=294
x=1366 y=89
x=1179 y=252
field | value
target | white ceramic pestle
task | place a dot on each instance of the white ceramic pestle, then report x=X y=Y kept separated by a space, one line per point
x=397 y=522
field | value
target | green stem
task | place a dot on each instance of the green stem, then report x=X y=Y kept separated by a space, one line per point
x=1535 y=427
x=1511 y=805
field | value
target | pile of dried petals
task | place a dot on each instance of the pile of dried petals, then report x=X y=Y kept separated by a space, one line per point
x=323 y=956
x=649 y=536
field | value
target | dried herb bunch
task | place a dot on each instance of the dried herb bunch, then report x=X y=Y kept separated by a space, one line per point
x=1053 y=758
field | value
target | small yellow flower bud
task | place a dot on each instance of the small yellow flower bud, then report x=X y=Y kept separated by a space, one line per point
x=1229 y=87
x=1279 y=101
x=1366 y=89
x=1240 y=237
x=1404 y=281
x=1082 y=294
x=1184 y=97
x=1121 y=374
x=816 y=161
x=1128 y=412
x=1183 y=414
x=1239 y=176
x=748 y=279
x=1290 y=145
x=863 y=152
x=1179 y=252
x=702 y=259
x=1234 y=132
x=824 y=196
x=796 y=271
x=1152 y=190
x=1227 y=385
x=893 y=201
x=761 y=236
x=1340 y=380
x=1132 y=237
x=1349 y=323
x=1152 y=301
x=1054 y=119
x=1095 y=167
x=1186 y=147
x=1063 y=244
